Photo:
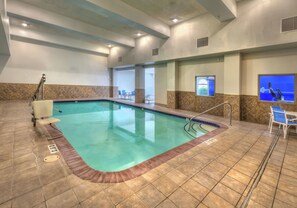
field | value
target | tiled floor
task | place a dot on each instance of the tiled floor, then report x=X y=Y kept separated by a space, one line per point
x=216 y=173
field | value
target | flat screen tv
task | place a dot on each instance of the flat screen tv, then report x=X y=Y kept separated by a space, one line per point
x=205 y=85
x=277 y=88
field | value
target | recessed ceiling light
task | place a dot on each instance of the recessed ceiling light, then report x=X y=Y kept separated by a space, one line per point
x=109 y=45
x=138 y=34
x=175 y=20
x=24 y=24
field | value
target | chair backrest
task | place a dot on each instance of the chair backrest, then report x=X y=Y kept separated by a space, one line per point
x=42 y=108
x=275 y=107
x=279 y=115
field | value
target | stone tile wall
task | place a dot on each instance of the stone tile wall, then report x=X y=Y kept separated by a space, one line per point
x=234 y=100
x=139 y=95
x=172 y=99
x=189 y=101
x=257 y=111
x=10 y=91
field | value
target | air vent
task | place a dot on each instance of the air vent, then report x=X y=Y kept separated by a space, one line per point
x=120 y=59
x=289 y=24
x=202 y=42
x=155 y=52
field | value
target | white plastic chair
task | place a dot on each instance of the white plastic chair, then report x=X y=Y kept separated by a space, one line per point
x=280 y=117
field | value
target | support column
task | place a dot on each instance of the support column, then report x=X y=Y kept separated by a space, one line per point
x=232 y=65
x=139 y=84
x=113 y=90
x=172 y=84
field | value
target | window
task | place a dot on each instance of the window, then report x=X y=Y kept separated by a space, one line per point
x=277 y=88
x=205 y=85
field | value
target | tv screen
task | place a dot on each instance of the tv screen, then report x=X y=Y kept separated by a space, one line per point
x=277 y=88
x=205 y=85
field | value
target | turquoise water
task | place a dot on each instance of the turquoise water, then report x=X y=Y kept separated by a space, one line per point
x=112 y=137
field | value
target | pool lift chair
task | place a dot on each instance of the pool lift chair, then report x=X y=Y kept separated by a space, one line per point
x=42 y=112
x=280 y=117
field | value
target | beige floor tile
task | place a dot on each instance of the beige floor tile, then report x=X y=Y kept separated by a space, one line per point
x=28 y=200
x=41 y=205
x=288 y=184
x=151 y=196
x=239 y=176
x=253 y=204
x=165 y=185
x=152 y=175
x=6 y=192
x=56 y=188
x=286 y=197
x=50 y=172
x=25 y=186
x=195 y=189
x=137 y=183
x=182 y=199
x=226 y=193
x=66 y=199
x=205 y=180
x=73 y=180
x=99 y=200
x=167 y=204
x=132 y=202
x=214 y=201
x=119 y=192
x=177 y=177
x=279 y=204
x=233 y=184
x=262 y=198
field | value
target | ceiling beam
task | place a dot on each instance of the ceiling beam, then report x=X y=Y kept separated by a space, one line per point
x=125 y=14
x=223 y=10
x=57 y=41
x=41 y=16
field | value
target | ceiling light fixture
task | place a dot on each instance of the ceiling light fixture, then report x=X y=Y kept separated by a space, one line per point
x=24 y=24
x=175 y=20
x=109 y=45
x=138 y=34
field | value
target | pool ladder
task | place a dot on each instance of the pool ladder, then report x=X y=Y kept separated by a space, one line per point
x=190 y=124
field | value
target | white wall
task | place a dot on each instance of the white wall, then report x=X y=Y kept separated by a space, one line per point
x=270 y=62
x=161 y=84
x=257 y=25
x=125 y=80
x=189 y=69
x=29 y=61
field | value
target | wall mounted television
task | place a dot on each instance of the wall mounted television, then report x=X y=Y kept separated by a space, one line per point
x=205 y=85
x=277 y=88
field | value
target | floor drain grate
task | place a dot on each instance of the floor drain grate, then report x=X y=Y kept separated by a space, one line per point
x=53 y=148
x=51 y=158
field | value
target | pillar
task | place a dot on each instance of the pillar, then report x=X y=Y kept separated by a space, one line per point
x=113 y=89
x=232 y=65
x=172 y=84
x=139 y=84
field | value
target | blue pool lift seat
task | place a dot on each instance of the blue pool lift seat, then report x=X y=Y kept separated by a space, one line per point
x=280 y=117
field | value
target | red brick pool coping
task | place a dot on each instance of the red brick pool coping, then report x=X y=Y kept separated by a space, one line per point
x=82 y=170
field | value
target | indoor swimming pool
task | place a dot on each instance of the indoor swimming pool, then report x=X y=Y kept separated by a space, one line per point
x=112 y=137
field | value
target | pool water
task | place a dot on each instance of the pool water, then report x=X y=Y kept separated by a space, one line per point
x=112 y=137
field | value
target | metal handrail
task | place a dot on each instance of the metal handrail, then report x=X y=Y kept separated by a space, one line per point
x=36 y=95
x=191 y=119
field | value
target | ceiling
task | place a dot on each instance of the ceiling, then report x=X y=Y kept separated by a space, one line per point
x=112 y=19
x=166 y=10
x=163 y=10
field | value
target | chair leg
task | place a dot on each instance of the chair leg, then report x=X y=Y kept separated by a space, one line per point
x=271 y=125
x=285 y=131
x=270 y=120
